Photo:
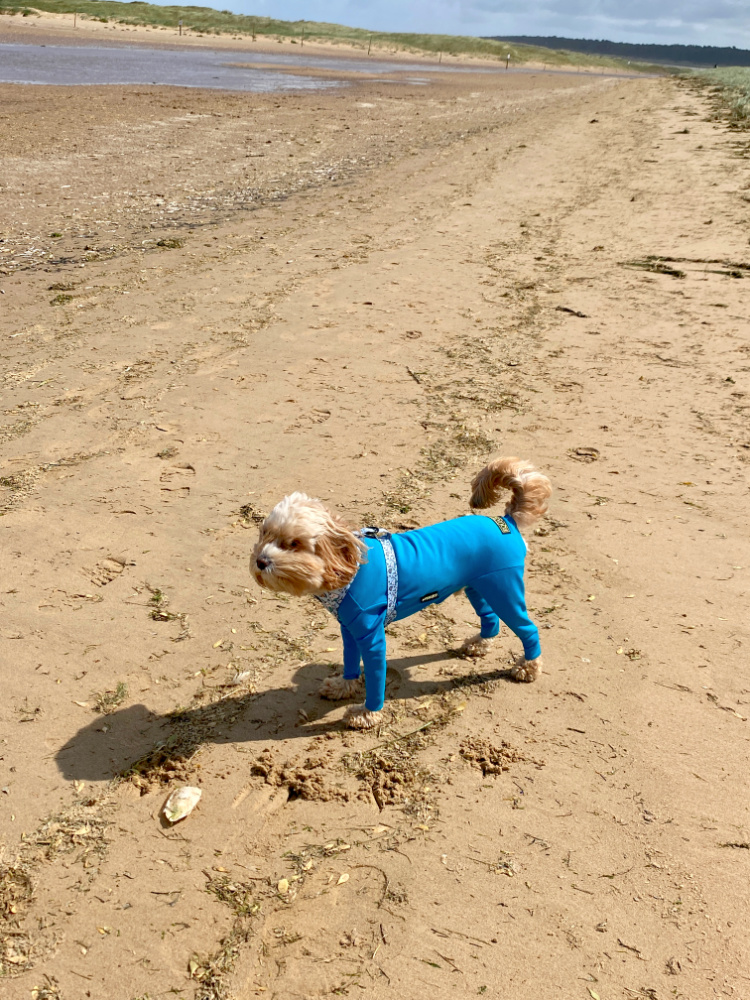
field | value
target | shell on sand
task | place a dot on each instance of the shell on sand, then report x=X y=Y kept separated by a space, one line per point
x=181 y=803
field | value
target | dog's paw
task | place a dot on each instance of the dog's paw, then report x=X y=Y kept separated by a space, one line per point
x=475 y=646
x=339 y=688
x=359 y=717
x=527 y=670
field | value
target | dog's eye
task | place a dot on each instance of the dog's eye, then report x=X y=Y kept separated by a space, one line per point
x=285 y=546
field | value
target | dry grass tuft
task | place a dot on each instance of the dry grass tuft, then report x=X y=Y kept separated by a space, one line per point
x=305 y=861
x=80 y=829
x=211 y=972
x=166 y=763
x=19 y=485
x=50 y=991
x=16 y=890
x=158 y=604
x=252 y=514
x=16 y=893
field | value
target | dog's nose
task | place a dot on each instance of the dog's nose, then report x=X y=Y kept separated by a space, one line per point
x=262 y=563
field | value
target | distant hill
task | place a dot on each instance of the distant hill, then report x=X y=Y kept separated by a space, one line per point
x=680 y=55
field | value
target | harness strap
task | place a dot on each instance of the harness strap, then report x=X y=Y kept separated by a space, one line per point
x=391 y=569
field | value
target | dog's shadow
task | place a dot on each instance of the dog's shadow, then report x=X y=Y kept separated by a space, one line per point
x=111 y=744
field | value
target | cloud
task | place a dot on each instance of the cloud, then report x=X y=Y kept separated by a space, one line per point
x=704 y=22
x=723 y=22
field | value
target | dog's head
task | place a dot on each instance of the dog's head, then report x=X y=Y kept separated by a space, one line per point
x=305 y=549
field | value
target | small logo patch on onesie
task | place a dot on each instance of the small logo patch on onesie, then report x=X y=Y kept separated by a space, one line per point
x=429 y=597
x=502 y=525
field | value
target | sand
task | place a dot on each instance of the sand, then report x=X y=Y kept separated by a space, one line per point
x=364 y=295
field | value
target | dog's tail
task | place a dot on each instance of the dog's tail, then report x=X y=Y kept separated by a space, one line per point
x=529 y=489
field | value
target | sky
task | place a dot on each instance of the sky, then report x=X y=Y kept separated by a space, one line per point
x=701 y=22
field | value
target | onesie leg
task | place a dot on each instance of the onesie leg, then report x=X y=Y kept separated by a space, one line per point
x=480 y=644
x=504 y=593
x=488 y=618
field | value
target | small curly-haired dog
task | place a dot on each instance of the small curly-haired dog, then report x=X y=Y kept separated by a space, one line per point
x=370 y=578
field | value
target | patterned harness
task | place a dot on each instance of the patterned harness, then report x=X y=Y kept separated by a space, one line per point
x=331 y=600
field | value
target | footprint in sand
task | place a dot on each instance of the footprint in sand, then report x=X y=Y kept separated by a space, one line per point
x=106 y=571
x=173 y=480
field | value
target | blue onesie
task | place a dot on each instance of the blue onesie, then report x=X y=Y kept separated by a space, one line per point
x=407 y=572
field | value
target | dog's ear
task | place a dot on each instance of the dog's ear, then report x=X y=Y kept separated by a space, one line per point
x=341 y=553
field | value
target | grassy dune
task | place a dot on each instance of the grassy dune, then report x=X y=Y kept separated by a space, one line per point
x=734 y=93
x=206 y=20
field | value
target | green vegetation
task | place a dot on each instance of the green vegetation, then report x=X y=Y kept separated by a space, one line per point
x=732 y=89
x=207 y=21
x=107 y=701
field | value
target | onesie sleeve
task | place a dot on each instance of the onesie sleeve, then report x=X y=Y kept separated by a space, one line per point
x=372 y=650
x=516 y=616
x=366 y=626
x=489 y=620
x=352 y=655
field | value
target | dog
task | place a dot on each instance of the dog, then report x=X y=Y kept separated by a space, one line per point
x=370 y=578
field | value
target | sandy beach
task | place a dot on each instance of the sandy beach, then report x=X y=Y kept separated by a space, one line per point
x=209 y=300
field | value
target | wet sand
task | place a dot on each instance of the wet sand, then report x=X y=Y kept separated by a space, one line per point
x=203 y=67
